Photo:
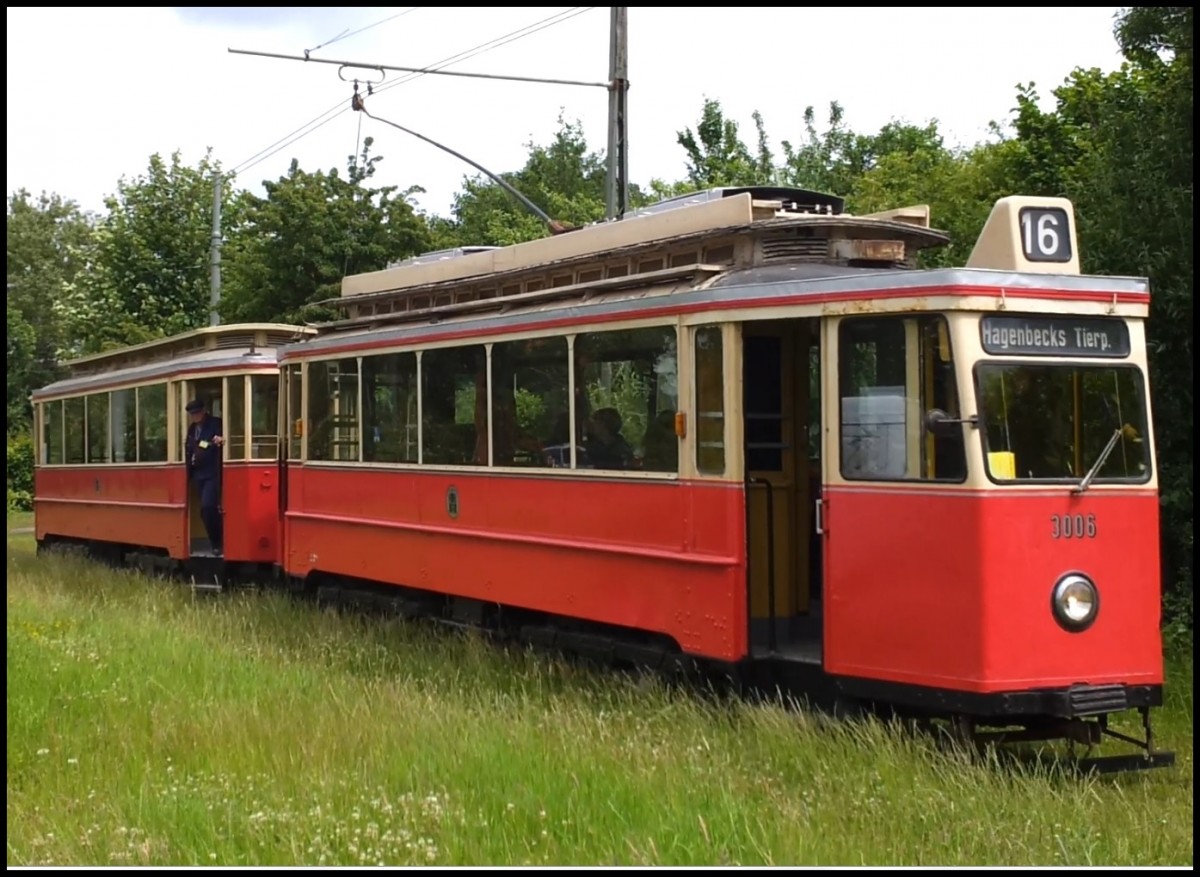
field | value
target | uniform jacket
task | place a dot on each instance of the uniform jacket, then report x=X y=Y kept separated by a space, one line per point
x=202 y=456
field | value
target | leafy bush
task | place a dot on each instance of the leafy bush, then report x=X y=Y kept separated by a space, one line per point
x=20 y=473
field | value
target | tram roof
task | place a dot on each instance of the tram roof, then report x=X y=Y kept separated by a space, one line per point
x=676 y=220
x=234 y=346
x=707 y=232
x=702 y=240
x=872 y=290
x=232 y=336
x=701 y=212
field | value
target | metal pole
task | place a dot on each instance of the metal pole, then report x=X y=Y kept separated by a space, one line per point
x=617 y=180
x=214 y=296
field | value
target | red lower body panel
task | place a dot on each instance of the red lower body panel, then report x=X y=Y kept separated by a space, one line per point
x=250 y=502
x=149 y=506
x=133 y=505
x=658 y=556
x=952 y=589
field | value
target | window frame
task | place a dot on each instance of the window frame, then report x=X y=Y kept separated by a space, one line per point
x=694 y=402
x=684 y=467
x=917 y=432
x=1065 y=363
x=134 y=389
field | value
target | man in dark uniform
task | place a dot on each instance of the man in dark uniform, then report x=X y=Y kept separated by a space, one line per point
x=202 y=453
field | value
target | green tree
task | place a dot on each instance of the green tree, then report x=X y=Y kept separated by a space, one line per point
x=26 y=368
x=19 y=472
x=564 y=179
x=826 y=162
x=1149 y=35
x=151 y=277
x=900 y=164
x=311 y=230
x=960 y=186
x=716 y=155
x=50 y=245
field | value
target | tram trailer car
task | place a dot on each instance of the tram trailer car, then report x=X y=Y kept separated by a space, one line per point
x=111 y=475
x=740 y=427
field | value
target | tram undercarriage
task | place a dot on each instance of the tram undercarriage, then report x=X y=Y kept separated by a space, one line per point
x=977 y=724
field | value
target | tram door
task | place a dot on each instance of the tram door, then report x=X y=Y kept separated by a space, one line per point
x=211 y=390
x=780 y=365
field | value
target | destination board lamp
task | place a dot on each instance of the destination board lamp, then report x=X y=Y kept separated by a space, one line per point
x=1026 y=233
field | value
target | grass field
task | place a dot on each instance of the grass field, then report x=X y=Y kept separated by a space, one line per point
x=150 y=726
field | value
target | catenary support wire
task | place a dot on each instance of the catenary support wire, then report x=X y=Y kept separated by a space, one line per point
x=339 y=108
x=382 y=67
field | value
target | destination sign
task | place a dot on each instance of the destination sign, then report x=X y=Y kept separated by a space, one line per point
x=1055 y=336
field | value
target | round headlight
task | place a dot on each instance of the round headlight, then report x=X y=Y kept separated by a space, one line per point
x=1075 y=602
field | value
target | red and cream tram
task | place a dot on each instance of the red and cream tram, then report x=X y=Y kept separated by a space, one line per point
x=741 y=427
x=110 y=471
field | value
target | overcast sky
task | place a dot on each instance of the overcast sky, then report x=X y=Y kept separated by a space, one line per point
x=93 y=92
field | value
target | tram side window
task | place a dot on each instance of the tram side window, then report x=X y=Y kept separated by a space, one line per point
x=333 y=410
x=454 y=406
x=97 y=428
x=52 y=433
x=123 y=412
x=152 y=423
x=710 y=401
x=75 y=438
x=235 y=418
x=626 y=394
x=264 y=417
x=390 y=408
x=211 y=391
x=814 y=402
x=295 y=412
x=180 y=395
x=531 y=403
x=891 y=372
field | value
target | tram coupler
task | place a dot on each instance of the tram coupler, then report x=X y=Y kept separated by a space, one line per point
x=1147 y=745
x=1089 y=734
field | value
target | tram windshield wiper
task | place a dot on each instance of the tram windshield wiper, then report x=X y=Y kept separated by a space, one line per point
x=1087 y=479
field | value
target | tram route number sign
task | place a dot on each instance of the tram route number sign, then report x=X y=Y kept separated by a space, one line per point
x=1055 y=336
x=1045 y=234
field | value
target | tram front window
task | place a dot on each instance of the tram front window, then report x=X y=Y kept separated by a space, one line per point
x=1056 y=422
